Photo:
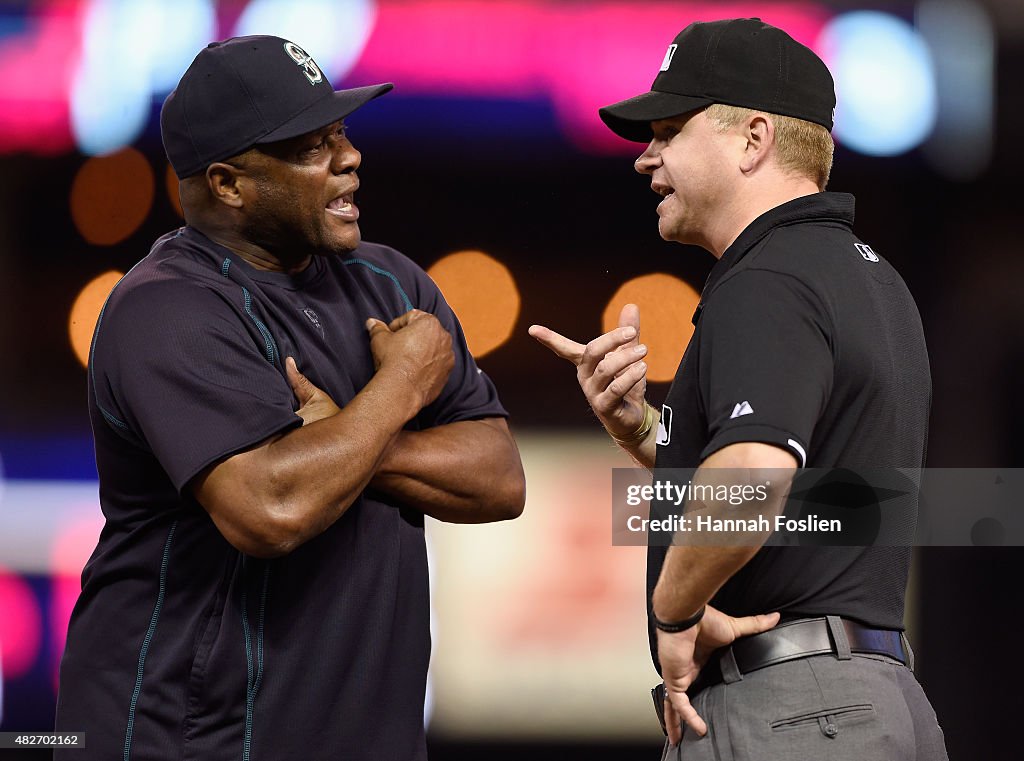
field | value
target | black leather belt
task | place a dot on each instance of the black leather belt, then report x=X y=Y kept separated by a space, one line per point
x=801 y=638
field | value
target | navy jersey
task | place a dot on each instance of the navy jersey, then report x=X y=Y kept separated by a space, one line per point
x=181 y=647
x=808 y=340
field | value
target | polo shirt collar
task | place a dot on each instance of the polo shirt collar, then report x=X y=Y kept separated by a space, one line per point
x=817 y=207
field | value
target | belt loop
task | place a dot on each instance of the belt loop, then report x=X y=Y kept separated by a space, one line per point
x=908 y=650
x=727 y=664
x=839 y=639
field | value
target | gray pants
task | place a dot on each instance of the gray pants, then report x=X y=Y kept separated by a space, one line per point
x=823 y=708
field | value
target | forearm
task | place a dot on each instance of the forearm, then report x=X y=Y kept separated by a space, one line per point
x=277 y=496
x=465 y=472
x=696 y=568
x=692 y=575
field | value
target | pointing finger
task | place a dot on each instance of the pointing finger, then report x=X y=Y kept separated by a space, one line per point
x=564 y=347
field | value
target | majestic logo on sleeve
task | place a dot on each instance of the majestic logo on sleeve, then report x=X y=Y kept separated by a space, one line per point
x=741 y=408
x=303 y=59
x=865 y=250
x=665 y=426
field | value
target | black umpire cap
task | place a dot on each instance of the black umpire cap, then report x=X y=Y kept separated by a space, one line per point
x=245 y=91
x=738 y=62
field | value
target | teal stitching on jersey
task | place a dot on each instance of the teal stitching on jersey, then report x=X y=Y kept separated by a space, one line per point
x=385 y=273
x=269 y=345
x=268 y=339
x=146 y=642
x=248 y=656
x=253 y=684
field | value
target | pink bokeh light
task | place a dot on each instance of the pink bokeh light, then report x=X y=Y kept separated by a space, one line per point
x=20 y=625
x=36 y=72
x=71 y=550
x=580 y=56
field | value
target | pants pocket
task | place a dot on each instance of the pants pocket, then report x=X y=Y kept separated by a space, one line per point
x=830 y=721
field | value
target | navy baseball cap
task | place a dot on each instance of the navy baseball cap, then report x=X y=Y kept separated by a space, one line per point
x=245 y=91
x=738 y=62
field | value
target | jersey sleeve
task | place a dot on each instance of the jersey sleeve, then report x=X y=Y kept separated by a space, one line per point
x=469 y=394
x=176 y=370
x=766 y=362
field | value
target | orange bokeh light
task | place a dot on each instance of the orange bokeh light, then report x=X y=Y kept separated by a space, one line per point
x=86 y=310
x=666 y=307
x=483 y=294
x=111 y=196
x=171 y=183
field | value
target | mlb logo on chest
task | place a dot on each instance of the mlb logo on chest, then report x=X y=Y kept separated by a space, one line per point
x=866 y=252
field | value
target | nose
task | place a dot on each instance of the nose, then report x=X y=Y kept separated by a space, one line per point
x=346 y=158
x=649 y=160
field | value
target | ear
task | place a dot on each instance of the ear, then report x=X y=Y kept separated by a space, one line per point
x=224 y=181
x=759 y=133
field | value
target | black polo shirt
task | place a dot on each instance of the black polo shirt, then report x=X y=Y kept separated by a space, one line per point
x=808 y=340
x=181 y=647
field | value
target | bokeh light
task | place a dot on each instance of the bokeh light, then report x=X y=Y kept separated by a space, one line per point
x=110 y=102
x=111 y=196
x=483 y=294
x=885 y=82
x=171 y=183
x=334 y=33
x=86 y=310
x=20 y=625
x=72 y=547
x=666 y=308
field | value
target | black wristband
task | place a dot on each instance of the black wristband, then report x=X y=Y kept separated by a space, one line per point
x=674 y=627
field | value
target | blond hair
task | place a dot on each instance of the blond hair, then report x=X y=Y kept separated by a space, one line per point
x=803 y=147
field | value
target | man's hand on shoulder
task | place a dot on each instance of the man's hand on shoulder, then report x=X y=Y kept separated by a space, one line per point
x=417 y=346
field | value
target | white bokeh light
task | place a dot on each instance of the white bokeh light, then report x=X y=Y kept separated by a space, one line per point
x=334 y=32
x=186 y=27
x=885 y=82
x=132 y=49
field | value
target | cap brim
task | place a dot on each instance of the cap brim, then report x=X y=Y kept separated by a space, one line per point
x=632 y=118
x=325 y=111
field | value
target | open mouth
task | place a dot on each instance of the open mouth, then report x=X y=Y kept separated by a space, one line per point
x=341 y=204
x=663 y=190
x=344 y=208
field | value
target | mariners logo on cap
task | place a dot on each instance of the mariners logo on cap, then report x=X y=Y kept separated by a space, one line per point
x=305 y=60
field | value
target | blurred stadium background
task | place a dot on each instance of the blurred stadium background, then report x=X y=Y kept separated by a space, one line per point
x=488 y=166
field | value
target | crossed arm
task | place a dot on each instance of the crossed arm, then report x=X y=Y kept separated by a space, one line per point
x=270 y=499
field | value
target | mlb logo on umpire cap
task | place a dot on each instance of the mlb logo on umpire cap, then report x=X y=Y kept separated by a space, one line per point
x=668 y=57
